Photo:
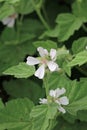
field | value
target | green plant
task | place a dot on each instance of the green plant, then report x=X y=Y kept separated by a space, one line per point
x=46 y=91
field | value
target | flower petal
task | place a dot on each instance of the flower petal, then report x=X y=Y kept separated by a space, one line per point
x=60 y=91
x=52 y=66
x=43 y=101
x=53 y=54
x=86 y=47
x=42 y=52
x=58 y=102
x=52 y=93
x=40 y=72
x=64 y=100
x=11 y=23
x=32 y=61
x=61 y=109
x=5 y=21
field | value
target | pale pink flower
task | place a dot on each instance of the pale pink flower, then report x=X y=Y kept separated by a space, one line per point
x=10 y=21
x=45 y=60
x=55 y=94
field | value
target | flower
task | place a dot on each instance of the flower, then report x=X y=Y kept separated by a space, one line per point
x=55 y=97
x=10 y=21
x=86 y=47
x=43 y=101
x=45 y=60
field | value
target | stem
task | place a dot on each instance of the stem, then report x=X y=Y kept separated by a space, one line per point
x=45 y=81
x=19 y=22
x=45 y=14
x=78 y=4
x=42 y=20
x=21 y=18
x=18 y=30
x=38 y=11
x=46 y=86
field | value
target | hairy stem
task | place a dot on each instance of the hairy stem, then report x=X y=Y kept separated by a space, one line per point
x=46 y=85
x=38 y=11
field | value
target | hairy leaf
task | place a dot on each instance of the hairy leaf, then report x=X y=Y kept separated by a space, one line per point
x=20 y=71
x=16 y=114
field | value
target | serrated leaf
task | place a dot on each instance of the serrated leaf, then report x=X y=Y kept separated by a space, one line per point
x=67 y=25
x=20 y=7
x=2 y=0
x=1 y=104
x=20 y=71
x=80 y=59
x=12 y=1
x=16 y=114
x=14 y=38
x=78 y=97
x=59 y=80
x=31 y=26
x=41 y=115
x=45 y=44
x=75 y=91
x=82 y=115
x=80 y=104
x=63 y=125
x=79 y=9
x=24 y=88
x=6 y=10
x=11 y=55
x=79 y=45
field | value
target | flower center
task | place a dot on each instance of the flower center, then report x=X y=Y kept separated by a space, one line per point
x=44 y=61
x=13 y=16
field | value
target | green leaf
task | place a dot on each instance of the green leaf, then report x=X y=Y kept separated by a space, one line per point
x=42 y=115
x=59 y=80
x=82 y=115
x=67 y=25
x=63 y=125
x=79 y=45
x=24 y=88
x=66 y=68
x=20 y=71
x=16 y=114
x=45 y=44
x=15 y=38
x=80 y=9
x=2 y=0
x=31 y=27
x=80 y=59
x=77 y=105
x=78 y=97
x=6 y=10
x=50 y=33
x=75 y=91
x=12 y=1
x=11 y=55
x=1 y=104
x=20 y=7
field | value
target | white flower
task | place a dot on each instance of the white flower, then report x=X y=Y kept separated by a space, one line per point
x=86 y=47
x=43 y=101
x=55 y=95
x=57 y=92
x=10 y=21
x=46 y=60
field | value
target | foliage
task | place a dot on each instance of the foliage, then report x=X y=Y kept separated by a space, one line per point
x=59 y=27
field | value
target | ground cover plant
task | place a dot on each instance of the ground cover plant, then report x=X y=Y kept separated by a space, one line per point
x=43 y=64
